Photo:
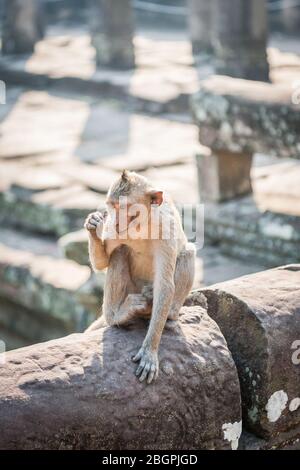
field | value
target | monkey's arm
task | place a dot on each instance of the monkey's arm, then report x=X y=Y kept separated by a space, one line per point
x=163 y=293
x=94 y=225
x=98 y=257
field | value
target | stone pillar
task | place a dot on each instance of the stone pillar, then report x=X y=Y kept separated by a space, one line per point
x=112 y=27
x=23 y=26
x=240 y=37
x=223 y=175
x=200 y=25
x=290 y=16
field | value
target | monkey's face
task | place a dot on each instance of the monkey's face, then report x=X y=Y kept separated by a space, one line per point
x=121 y=214
x=129 y=203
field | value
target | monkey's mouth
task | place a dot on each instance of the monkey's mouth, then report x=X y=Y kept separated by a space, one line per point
x=131 y=219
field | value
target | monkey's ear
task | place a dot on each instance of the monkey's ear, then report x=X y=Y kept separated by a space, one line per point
x=125 y=175
x=157 y=197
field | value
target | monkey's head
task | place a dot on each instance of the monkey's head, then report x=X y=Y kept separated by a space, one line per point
x=133 y=195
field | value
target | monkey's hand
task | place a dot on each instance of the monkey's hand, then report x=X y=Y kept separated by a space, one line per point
x=148 y=366
x=94 y=223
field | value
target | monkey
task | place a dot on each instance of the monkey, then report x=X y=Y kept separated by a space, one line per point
x=150 y=264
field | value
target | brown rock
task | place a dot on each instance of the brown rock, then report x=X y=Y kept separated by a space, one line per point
x=81 y=391
x=243 y=116
x=259 y=316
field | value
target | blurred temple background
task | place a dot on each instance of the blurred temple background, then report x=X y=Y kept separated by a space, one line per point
x=201 y=97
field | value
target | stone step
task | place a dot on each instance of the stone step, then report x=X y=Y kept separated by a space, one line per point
x=20 y=326
x=56 y=211
x=163 y=80
x=74 y=246
x=246 y=117
x=259 y=316
x=243 y=229
x=58 y=291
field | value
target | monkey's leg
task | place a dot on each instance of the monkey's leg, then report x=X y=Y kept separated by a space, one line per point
x=183 y=280
x=163 y=294
x=97 y=324
x=121 y=302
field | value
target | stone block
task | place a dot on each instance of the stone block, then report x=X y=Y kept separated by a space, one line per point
x=259 y=316
x=112 y=27
x=81 y=391
x=53 y=211
x=23 y=26
x=74 y=246
x=58 y=288
x=243 y=116
x=223 y=175
x=245 y=230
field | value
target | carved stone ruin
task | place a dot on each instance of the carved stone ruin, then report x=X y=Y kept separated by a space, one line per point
x=23 y=26
x=112 y=28
x=81 y=391
x=240 y=38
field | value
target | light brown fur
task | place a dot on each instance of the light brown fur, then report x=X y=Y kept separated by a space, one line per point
x=145 y=277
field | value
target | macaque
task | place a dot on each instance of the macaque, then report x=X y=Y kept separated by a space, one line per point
x=150 y=264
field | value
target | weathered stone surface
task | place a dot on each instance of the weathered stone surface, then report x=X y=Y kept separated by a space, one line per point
x=20 y=326
x=23 y=26
x=58 y=288
x=74 y=246
x=259 y=316
x=239 y=36
x=278 y=187
x=81 y=391
x=290 y=16
x=52 y=211
x=244 y=229
x=200 y=25
x=142 y=142
x=223 y=175
x=179 y=180
x=112 y=33
x=283 y=441
x=94 y=177
x=163 y=80
x=40 y=124
x=34 y=180
x=247 y=117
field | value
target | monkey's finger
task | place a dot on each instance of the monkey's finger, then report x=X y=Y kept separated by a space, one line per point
x=94 y=221
x=138 y=356
x=140 y=367
x=90 y=226
x=97 y=216
x=151 y=374
x=145 y=372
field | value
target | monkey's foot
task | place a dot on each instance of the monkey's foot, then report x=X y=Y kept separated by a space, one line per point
x=97 y=324
x=174 y=314
x=148 y=366
x=135 y=305
x=147 y=292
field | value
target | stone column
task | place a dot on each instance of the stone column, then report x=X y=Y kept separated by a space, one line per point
x=240 y=37
x=290 y=16
x=223 y=175
x=23 y=26
x=200 y=25
x=112 y=26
